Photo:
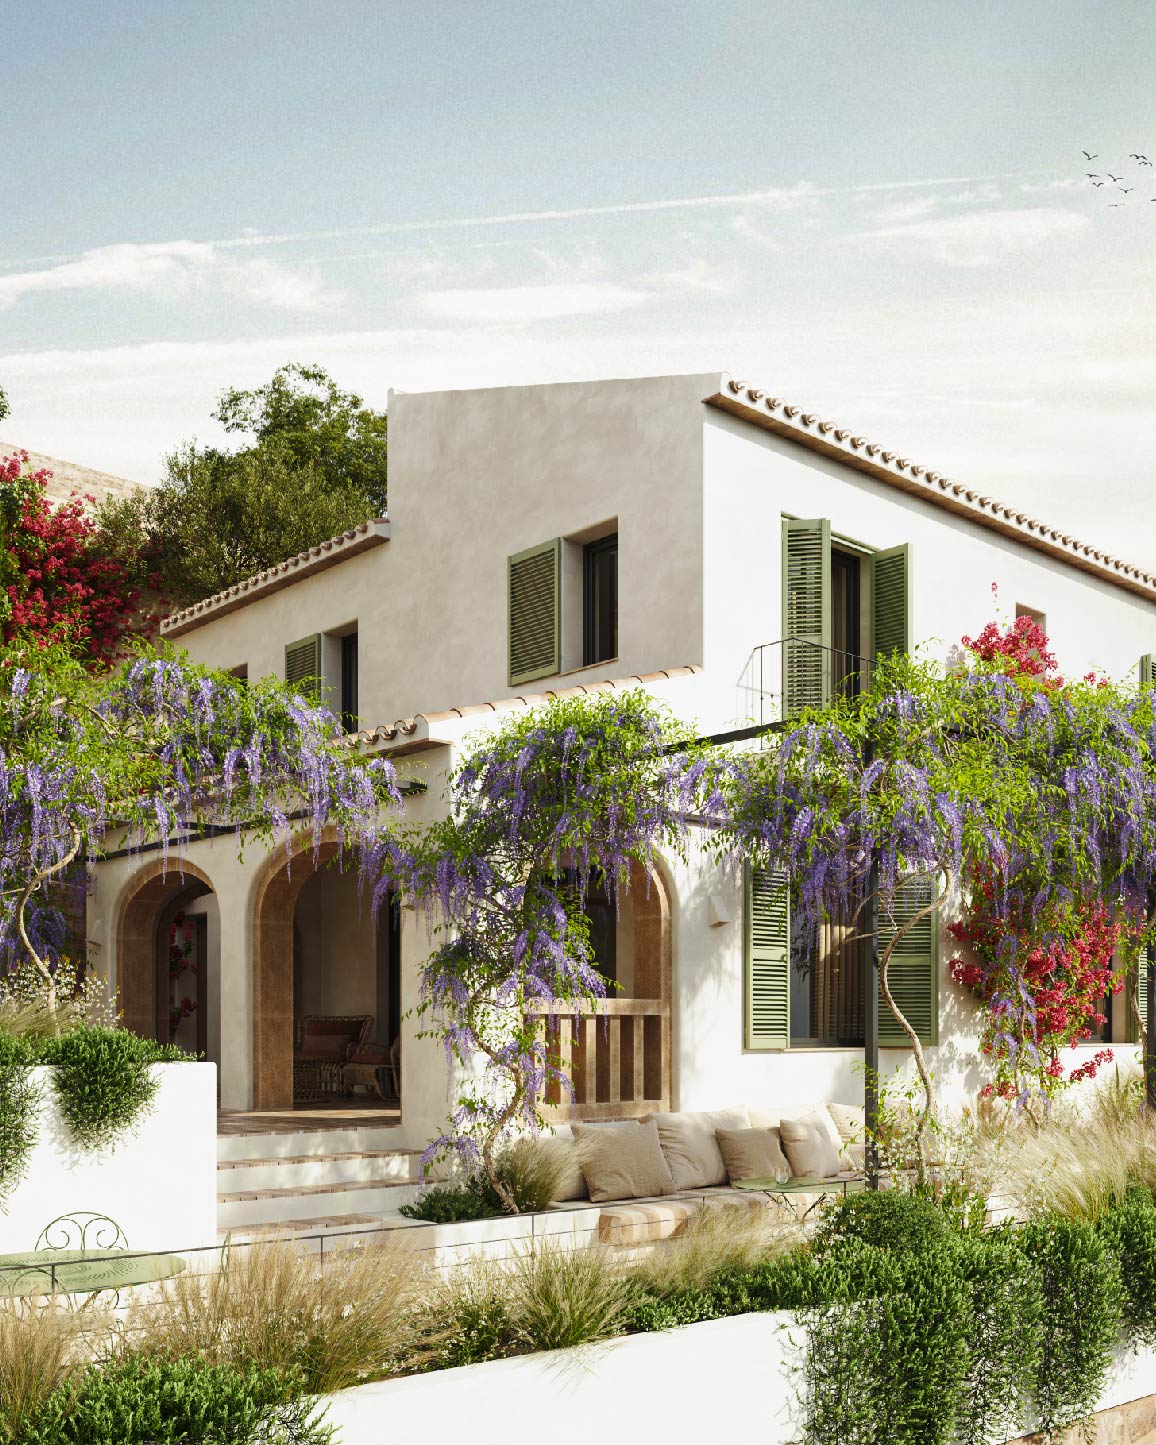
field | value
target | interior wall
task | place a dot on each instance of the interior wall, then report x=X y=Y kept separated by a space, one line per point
x=337 y=966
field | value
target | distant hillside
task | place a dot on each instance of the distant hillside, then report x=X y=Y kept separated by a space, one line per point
x=70 y=477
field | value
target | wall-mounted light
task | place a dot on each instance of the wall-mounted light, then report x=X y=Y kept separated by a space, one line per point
x=718 y=911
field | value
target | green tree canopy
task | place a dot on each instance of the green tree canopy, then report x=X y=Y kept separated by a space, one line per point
x=315 y=466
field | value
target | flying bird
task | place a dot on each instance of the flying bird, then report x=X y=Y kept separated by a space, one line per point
x=1126 y=190
x=1111 y=177
x=1092 y=175
x=1097 y=183
x=1089 y=156
x=1114 y=205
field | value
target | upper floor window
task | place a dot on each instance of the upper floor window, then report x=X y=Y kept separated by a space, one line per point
x=349 y=714
x=600 y=600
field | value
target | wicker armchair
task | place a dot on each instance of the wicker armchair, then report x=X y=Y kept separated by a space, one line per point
x=324 y=1042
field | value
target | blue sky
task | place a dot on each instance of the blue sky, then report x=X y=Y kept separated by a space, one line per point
x=878 y=211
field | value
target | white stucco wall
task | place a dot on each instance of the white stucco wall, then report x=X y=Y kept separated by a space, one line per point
x=158 y=1182
x=474 y=477
x=754 y=478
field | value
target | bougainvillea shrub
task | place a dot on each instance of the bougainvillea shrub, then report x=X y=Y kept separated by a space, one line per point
x=58 y=582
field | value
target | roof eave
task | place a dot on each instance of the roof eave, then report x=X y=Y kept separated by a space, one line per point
x=807 y=429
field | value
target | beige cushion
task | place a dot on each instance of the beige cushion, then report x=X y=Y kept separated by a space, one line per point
x=849 y=1120
x=752 y=1154
x=688 y=1141
x=625 y=1163
x=809 y=1148
x=572 y=1184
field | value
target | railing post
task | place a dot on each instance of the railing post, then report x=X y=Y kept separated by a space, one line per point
x=871 y=1016
x=1150 y=1027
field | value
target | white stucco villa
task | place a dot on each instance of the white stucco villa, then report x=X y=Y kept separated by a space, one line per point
x=673 y=533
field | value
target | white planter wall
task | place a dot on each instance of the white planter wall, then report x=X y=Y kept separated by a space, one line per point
x=158 y=1182
x=726 y=1379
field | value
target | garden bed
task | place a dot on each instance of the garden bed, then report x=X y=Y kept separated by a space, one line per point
x=687 y=1384
x=156 y=1182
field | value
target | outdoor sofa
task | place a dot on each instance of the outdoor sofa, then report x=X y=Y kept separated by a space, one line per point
x=649 y=1176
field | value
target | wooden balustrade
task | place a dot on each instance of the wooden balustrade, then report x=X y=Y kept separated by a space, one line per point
x=618 y=1058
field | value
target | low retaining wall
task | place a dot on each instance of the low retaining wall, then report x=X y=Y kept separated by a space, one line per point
x=700 y=1383
x=158 y=1182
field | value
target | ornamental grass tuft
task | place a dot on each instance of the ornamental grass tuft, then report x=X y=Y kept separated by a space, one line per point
x=42 y=1343
x=356 y=1319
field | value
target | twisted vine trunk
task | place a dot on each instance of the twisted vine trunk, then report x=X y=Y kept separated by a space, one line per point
x=494 y=1133
x=901 y=1020
x=29 y=888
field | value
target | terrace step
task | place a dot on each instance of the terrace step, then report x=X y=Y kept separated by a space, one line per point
x=319 y=1224
x=275 y=1206
x=365 y=1166
x=351 y=1138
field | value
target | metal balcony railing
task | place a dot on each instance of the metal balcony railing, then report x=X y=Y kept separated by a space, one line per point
x=782 y=678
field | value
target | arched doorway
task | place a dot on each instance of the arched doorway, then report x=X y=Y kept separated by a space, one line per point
x=619 y=1058
x=167 y=966
x=326 y=974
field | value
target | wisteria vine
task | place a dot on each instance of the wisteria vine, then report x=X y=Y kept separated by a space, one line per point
x=152 y=753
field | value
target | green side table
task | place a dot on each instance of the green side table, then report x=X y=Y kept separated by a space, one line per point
x=780 y=1190
x=81 y=1271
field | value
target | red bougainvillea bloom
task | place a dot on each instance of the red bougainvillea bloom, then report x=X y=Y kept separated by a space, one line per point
x=57 y=585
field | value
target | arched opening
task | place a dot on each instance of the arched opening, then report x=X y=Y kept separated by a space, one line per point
x=327 y=999
x=619 y=1058
x=167 y=965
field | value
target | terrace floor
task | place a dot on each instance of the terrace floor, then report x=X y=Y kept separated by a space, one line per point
x=307 y=1118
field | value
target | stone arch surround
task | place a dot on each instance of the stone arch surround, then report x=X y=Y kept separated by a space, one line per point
x=141 y=903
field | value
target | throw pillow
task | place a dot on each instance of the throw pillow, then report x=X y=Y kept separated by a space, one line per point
x=622 y=1163
x=752 y=1154
x=849 y=1120
x=691 y=1150
x=808 y=1148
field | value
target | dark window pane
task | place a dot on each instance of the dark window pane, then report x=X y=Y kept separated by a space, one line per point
x=349 y=721
x=600 y=642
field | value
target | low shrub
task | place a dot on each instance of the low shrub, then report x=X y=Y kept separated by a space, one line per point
x=469 y=1314
x=136 y=1401
x=1129 y=1231
x=103 y=1081
x=888 y=1219
x=531 y=1173
x=101 y=1078
x=1083 y=1310
x=19 y=1096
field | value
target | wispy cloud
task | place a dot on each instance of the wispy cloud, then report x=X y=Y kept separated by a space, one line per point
x=980 y=238
x=506 y=304
x=173 y=267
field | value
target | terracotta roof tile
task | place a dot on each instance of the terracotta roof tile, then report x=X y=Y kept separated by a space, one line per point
x=773 y=414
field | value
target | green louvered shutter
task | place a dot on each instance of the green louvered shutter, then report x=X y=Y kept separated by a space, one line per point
x=806 y=614
x=535 y=622
x=891 y=601
x=303 y=665
x=1148 y=670
x=768 y=960
x=1141 y=978
x=913 y=973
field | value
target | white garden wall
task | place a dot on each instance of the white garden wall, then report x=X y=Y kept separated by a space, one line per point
x=731 y=1378
x=158 y=1182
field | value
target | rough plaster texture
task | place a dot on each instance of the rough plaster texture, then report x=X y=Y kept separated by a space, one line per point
x=157 y=1182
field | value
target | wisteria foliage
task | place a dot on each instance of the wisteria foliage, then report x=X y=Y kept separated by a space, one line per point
x=554 y=803
x=150 y=754
x=930 y=772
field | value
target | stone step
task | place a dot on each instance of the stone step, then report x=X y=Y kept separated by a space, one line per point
x=294 y=1144
x=369 y=1225
x=369 y=1166
x=273 y=1206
